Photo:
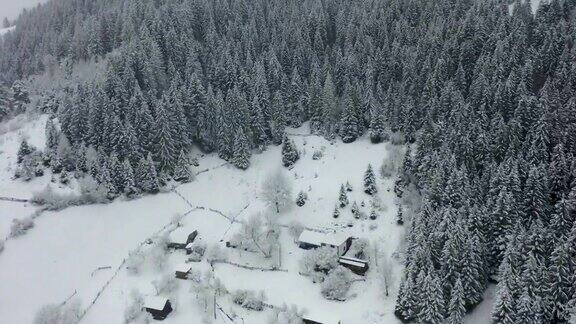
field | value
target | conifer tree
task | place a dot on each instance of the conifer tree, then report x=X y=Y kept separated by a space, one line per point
x=24 y=150
x=289 y=152
x=277 y=120
x=182 y=171
x=456 y=306
x=336 y=212
x=241 y=154
x=301 y=199
x=343 y=197
x=370 y=181
x=146 y=176
x=400 y=216
x=349 y=123
x=129 y=185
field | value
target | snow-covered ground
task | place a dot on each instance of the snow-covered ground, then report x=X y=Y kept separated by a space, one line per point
x=60 y=256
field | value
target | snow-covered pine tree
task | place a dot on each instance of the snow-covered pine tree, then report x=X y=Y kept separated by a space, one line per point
x=456 y=305
x=182 y=170
x=378 y=132
x=336 y=212
x=165 y=148
x=289 y=152
x=370 y=181
x=355 y=210
x=241 y=151
x=24 y=150
x=129 y=185
x=400 y=216
x=277 y=119
x=146 y=175
x=349 y=121
x=301 y=198
x=343 y=197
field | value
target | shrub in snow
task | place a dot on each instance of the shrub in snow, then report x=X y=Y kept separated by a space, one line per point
x=337 y=284
x=373 y=214
x=165 y=285
x=301 y=199
x=277 y=191
x=248 y=299
x=68 y=313
x=215 y=253
x=289 y=153
x=158 y=253
x=21 y=226
x=286 y=315
x=134 y=311
x=52 y=200
x=91 y=192
x=176 y=219
x=359 y=249
x=135 y=261
x=197 y=252
x=397 y=138
x=30 y=167
x=295 y=229
x=258 y=234
x=322 y=259
x=317 y=155
x=1 y=246
x=391 y=162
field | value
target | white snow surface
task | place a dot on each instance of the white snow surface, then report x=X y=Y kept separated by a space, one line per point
x=76 y=251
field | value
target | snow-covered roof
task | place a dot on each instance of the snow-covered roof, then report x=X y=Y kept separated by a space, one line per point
x=317 y=238
x=352 y=261
x=155 y=302
x=180 y=235
x=183 y=267
x=321 y=317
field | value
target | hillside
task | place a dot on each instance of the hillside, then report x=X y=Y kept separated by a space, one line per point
x=69 y=245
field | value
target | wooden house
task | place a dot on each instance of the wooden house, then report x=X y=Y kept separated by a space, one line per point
x=182 y=271
x=158 y=307
x=357 y=266
x=180 y=238
x=311 y=240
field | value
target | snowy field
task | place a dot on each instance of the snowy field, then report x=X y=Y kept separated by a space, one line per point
x=75 y=252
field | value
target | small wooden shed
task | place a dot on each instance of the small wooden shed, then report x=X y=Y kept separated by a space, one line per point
x=158 y=307
x=357 y=266
x=180 y=238
x=182 y=271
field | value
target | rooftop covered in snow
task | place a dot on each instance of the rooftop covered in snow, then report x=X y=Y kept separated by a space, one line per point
x=318 y=239
x=155 y=302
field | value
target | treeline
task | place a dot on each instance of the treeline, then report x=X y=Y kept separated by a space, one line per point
x=485 y=90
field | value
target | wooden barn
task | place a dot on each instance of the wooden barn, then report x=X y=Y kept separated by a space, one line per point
x=311 y=240
x=182 y=271
x=180 y=238
x=357 y=266
x=158 y=307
